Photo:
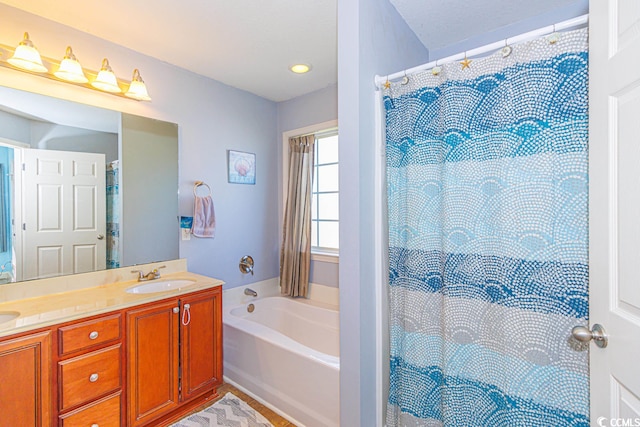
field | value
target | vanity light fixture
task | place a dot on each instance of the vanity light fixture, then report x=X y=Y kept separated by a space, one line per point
x=106 y=80
x=137 y=88
x=70 y=69
x=300 y=68
x=26 y=57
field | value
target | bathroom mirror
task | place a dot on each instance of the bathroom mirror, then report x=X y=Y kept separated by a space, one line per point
x=83 y=188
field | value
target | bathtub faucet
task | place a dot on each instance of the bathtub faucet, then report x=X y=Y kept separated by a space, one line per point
x=250 y=292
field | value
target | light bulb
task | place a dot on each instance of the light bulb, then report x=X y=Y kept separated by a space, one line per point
x=106 y=80
x=26 y=57
x=70 y=69
x=137 y=89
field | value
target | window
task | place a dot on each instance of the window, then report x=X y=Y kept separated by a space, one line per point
x=324 y=217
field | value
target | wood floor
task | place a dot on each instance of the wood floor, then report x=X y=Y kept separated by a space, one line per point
x=273 y=418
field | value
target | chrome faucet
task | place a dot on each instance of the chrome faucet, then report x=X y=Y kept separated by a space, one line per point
x=153 y=274
x=250 y=292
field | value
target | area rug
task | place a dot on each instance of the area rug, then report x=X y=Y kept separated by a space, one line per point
x=230 y=411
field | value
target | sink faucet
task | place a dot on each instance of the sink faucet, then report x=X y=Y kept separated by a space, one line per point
x=250 y=292
x=153 y=274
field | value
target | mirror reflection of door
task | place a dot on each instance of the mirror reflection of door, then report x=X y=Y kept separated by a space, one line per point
x=64 y=213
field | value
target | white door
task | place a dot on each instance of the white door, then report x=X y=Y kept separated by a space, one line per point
x=64 y=213
x=614 y=209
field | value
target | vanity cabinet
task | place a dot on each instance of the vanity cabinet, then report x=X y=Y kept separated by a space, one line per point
x=25 y=380
x=90 y=372
x=174 y=354
x=201 y=341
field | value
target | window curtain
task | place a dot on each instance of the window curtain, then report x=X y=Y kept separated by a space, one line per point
x=295 y=256
x=487 y=175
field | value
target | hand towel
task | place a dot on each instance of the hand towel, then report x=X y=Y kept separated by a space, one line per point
x=204 y=217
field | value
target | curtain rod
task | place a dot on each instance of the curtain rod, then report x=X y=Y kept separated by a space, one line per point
x=564 y=25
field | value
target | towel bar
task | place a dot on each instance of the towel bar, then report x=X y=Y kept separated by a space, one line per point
x=198 y=184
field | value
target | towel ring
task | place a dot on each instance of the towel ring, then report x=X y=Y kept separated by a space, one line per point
x=198 y=184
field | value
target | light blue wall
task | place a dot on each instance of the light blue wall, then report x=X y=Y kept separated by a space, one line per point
x=14 y=127
x=372 y=39
x=246 y=215
x=316 y=107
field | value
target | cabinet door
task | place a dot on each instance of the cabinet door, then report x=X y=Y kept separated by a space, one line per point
x=25 y=381
x=201 y=343
x=152 y=338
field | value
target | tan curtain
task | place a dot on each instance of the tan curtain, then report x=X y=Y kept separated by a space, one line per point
x=295 y=256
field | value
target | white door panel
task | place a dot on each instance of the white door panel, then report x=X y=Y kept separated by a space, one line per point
x=614 y=208
x=64 y=213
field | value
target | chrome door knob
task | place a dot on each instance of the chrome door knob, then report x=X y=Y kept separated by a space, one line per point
x=597 y=334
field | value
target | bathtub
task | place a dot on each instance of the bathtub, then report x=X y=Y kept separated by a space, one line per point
x=286 y=354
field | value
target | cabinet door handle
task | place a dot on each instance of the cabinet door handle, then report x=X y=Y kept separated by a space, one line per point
x=93 y=335
x=176 y=310
x=186 y=315
x=95 y=425
x=93 y=378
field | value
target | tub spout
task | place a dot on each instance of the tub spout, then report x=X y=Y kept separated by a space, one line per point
x=250 y=292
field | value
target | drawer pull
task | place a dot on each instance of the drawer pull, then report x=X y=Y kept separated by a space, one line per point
x=95 y=425
x=93 y=378
x=93 y=335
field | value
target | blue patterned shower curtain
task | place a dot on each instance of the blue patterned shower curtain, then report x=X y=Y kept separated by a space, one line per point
x=487 y=202
x=113 y=214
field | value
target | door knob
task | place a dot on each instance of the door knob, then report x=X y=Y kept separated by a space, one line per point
x=597 y=334
x=100 y=236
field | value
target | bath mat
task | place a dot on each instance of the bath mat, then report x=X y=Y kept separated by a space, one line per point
x=230 y=411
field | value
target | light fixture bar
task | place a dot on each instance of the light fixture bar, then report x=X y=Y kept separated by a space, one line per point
x=53 y=65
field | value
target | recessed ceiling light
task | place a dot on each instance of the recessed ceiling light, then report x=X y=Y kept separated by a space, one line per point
x=300 y=68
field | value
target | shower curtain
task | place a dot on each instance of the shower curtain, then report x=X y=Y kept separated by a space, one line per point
x=113 y=214
x=487 y=204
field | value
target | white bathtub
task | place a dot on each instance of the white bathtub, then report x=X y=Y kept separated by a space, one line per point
x=286 y=354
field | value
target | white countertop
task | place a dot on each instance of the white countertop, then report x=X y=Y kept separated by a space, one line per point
x=46 y=310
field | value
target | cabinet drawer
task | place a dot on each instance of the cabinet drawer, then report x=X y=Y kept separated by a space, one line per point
x=103 y=413
x=86 y=377
x=83 y=335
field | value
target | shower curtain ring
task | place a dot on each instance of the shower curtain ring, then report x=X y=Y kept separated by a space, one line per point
x=553 y=37
x=506 y=50
x=436 y=70
x=405 y=79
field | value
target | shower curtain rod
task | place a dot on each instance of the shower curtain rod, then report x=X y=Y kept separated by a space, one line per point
x=564 y=25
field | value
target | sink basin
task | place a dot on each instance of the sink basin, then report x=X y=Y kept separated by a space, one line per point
x=160 y=286
x=5 y=316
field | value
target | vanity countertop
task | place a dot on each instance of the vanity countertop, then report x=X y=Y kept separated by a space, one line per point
x=51 y=309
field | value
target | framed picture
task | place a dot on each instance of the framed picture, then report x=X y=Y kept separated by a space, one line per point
x=241 y=167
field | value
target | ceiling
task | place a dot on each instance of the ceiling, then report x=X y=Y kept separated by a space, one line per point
x=249 y=44
x=439 y=23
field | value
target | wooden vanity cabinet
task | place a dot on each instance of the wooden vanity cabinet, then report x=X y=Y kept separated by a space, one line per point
x=25 y=380
x=201 y=344
x=90 y=372
x=174 y=356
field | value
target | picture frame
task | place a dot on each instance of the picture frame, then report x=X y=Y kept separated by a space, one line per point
x=241 y=167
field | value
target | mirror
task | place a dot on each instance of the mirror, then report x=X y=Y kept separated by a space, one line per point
x=83 y=188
